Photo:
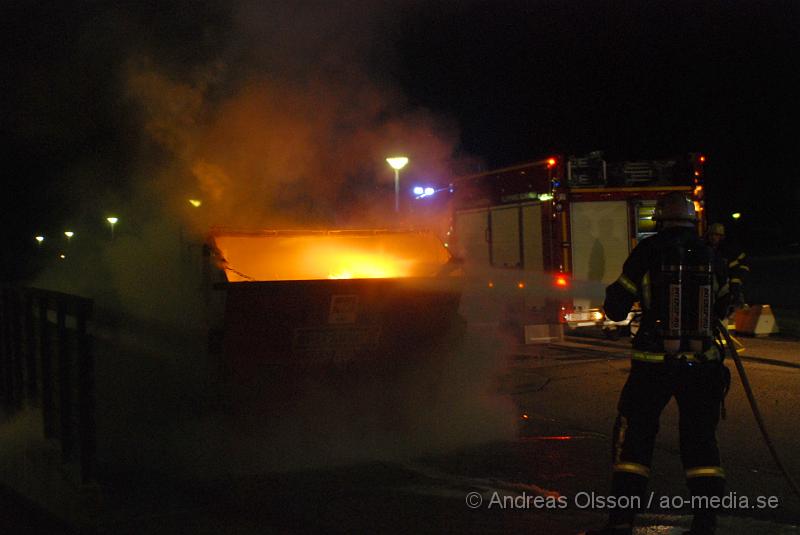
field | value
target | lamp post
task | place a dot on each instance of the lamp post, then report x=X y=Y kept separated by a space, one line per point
x=112 y=221
x=397 y=163
x=69 y=234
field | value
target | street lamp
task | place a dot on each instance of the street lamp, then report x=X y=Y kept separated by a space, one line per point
x=112 y=221
x=195 y=202
x=39 y=240
x=397 y=163
x=69 y=234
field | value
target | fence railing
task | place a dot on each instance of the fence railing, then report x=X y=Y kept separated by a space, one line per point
x=46 y=363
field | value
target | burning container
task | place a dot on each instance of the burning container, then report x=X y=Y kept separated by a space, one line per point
x=299 y=301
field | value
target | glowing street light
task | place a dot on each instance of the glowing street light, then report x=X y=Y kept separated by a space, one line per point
x=397 y=163
x=39 y=240
x=112 y=221
x=736 y=215
x=69 y=234
x=196 y=202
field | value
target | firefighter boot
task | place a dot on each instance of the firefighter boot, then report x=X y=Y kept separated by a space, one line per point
x=703 y=523
x=620 y=519
x=705 y=517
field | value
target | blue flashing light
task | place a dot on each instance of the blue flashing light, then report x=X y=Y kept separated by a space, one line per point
x=422 y=192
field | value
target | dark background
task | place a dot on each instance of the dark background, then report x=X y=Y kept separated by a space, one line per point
x=520 y=80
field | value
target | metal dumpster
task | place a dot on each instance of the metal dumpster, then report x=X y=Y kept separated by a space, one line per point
x=297 y=300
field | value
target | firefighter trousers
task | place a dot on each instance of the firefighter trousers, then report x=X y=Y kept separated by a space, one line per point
x=699 y=389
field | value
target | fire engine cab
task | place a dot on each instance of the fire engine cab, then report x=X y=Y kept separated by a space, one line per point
x=558 y=230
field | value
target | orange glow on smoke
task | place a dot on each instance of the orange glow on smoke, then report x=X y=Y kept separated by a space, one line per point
x=273 y=153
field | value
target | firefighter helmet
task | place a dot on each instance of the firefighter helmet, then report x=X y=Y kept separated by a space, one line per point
x=675 y=206
x=716 y=228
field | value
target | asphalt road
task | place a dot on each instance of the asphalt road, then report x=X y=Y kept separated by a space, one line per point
x=20 y=517
x=564 y=397
x=578 y=398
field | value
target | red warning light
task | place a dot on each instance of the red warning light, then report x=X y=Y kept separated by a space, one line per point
x=551 y=162
x=561 y=281
x=702 y=159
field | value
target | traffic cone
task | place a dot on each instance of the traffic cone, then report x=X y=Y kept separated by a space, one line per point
x=756 y=320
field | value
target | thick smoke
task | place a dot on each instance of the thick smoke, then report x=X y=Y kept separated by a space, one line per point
x=276 y=153
x=287 y=126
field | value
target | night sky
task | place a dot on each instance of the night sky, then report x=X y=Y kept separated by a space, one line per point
x=514 y=81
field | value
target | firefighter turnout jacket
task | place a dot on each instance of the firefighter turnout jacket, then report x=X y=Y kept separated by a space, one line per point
x=738 y=268
x=682 y=290
x=643 y=279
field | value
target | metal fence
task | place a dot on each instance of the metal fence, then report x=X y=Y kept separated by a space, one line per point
x=46 y=363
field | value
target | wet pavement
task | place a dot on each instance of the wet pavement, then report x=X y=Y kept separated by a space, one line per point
x=543 y=482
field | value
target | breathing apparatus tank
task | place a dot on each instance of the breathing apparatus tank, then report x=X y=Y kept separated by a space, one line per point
x=686 y=298
x=699 y=297
x=671 y=299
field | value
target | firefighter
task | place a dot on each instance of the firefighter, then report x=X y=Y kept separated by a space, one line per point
x=681 y=290
x=734 y=259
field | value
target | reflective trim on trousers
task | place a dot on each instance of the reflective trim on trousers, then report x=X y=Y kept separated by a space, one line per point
x=633 y=468
x=705 y=471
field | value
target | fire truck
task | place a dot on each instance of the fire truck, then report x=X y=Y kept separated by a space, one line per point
x=556 y=231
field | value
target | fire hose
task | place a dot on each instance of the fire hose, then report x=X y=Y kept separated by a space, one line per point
x=754 y=407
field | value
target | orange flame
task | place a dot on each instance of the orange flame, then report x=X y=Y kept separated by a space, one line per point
x=313 y=256
x=355 y=265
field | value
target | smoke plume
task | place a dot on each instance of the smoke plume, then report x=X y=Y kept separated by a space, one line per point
x=286 y=124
